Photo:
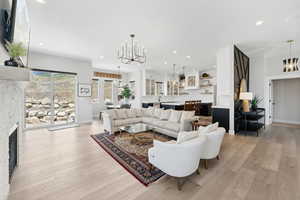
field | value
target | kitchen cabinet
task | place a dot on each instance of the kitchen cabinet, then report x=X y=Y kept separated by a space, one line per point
x=172 y=88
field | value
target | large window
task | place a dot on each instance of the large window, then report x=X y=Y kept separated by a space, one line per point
x=108 y=91
x=95 y=90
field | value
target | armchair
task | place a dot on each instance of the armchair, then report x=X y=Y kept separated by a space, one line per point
x=177 y=160
x=212 y=145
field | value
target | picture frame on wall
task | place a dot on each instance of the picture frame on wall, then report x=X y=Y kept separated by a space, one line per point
x=84 y=90
x=192 y=81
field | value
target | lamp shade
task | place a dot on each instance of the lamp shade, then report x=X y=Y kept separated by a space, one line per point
x=246 y=96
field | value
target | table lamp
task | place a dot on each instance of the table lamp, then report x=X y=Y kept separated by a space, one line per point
x=246 y=97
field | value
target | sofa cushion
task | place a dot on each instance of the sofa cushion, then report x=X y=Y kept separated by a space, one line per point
x=138 y=112
x=186 y=136
x=134 y=120
x=157 y=113
x=175 y=116
x=112 y=114
x=173 y=126
x=123 y=122
x=122 y=113
x=149 y=120
x=120 y=122
x=149 y=112
x=208 y=129
x=187 y=115
x=165 y=114
x=131 y=113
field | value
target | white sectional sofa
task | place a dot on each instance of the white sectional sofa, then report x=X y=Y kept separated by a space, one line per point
x=168 y=122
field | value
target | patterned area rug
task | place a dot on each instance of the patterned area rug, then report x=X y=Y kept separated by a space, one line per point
x=132 y=153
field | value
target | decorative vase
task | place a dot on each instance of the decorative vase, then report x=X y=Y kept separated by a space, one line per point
x=126 y=100
x=11 y=62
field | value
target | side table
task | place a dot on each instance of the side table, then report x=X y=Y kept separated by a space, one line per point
x=197 y=123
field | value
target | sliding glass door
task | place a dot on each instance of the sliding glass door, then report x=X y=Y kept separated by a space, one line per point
x=64 y=98
x=50 y=99
x=38 y=110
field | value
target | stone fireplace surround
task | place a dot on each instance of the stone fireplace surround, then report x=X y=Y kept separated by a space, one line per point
x=11 y=116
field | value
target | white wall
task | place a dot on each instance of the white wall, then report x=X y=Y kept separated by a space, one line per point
x=137 y=76
x=263 y=69
x=84 y=74
x=257 y=76
x=225 y=82
x=286 y=97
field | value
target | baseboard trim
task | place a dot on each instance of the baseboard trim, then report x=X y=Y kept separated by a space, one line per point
x=231 y=132
x=286 y=121
x=86 y=122
x=57 y=128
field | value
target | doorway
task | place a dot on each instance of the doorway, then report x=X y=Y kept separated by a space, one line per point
x=50 y=99
x=286 y=98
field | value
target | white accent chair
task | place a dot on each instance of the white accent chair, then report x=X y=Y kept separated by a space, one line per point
x=177 y=160
x=212 y=145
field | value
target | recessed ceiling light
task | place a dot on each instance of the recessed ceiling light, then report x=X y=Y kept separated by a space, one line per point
x=41 y=1
x=188 y=57
x=259 y=23
x=165 y=62
x=101 y=57
x=174 y=51
x=41 y=44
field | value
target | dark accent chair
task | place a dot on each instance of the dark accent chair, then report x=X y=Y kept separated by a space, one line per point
x=203 y=109
x=191 y=105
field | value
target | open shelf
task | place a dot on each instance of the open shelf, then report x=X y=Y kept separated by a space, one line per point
x=207 y=93
x=14 y=73
x=206 y=78
x=208 y=85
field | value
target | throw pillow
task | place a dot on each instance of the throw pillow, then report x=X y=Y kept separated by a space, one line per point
x=165 y=114
x=131 y=113
x=138 y=112
x=122 y=114
x=112 y=114
x=208 y=129
x=149 y=112
x=187 y=115
x=157 y=113
x=186 y=136
x=175 y=116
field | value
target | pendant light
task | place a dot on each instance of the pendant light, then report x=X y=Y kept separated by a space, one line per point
x=290 y=64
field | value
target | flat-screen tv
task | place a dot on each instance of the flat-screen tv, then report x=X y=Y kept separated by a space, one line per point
x=15 y=25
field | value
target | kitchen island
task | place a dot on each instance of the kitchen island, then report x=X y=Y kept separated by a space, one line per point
x=204 y=109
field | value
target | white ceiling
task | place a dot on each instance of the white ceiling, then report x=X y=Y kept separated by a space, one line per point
x=93 y=28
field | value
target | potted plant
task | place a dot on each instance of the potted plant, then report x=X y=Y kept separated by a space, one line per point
x=15 y=50
x=126 y=93
x=255 y=101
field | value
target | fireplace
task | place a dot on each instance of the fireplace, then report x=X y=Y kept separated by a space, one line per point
x=13 y=151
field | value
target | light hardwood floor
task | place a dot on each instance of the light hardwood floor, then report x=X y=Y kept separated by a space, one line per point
x=69 y=165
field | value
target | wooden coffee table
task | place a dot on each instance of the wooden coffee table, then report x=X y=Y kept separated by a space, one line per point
x=141 y=133
x=143 y=138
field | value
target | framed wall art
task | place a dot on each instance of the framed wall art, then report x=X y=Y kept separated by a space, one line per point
x=84 y=90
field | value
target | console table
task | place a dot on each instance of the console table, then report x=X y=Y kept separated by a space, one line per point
x=253 y=120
